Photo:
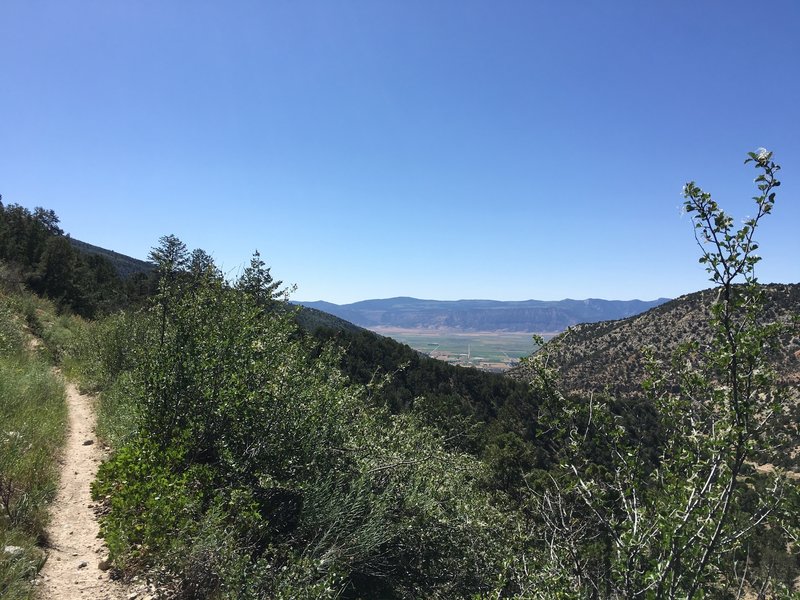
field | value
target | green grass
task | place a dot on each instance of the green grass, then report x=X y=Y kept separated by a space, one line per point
x=33 y=417
x=99 y=357
x=477 y=349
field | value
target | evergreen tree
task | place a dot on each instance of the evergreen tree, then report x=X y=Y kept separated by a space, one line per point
x=256 y=281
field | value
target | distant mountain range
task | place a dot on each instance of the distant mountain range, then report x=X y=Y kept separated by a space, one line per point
x=537 y=316
x=529 y=316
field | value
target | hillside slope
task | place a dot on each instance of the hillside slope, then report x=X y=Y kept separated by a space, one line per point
x=124 y=265
x=593 y=357
x=311 y=319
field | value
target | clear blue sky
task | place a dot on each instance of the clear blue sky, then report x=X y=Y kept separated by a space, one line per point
x=437 y=149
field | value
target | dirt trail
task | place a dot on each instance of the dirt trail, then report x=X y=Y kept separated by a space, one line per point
x=72 y=570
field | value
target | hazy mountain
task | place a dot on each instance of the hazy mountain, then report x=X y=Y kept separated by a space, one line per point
x=483 y=315
x=594 y=356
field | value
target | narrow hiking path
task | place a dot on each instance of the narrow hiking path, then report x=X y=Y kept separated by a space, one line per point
x=73 y=568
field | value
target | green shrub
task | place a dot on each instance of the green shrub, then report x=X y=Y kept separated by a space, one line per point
x=257 y=471
x=55 y=333
x=104 y=349
x=119 y=412
x=150 y=500
x=59 y=334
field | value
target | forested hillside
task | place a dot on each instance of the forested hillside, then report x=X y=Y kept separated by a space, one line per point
x=35 y=252
x=125 y=266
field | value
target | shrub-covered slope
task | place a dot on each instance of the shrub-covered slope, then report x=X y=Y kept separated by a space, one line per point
x=595 y=357
x=253 y=468
x=32 y=424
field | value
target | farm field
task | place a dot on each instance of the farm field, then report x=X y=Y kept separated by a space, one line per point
x=487 y=350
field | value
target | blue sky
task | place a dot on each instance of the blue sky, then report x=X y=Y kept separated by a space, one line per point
x=437 y=149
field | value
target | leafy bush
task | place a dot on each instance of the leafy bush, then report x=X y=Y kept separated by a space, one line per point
x=102 y=350
x=680 y=521
x=143 y=487
x=119 y=413
x=257 y=471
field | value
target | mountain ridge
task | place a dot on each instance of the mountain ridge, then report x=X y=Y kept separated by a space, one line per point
x=541 y=316
x=607 y=355
x=124 y=265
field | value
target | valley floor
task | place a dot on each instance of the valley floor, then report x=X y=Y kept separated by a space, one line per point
x=486 y=350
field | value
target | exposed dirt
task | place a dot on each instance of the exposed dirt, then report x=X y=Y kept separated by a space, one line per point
x=76 y=553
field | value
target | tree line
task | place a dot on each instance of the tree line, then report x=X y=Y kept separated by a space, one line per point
x=37 y=254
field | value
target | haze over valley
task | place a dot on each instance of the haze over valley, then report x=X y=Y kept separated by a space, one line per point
x=487 y=334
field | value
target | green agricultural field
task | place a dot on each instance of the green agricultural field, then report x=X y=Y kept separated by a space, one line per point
x=492 y=350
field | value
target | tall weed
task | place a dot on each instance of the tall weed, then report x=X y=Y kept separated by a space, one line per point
x=102 y=356
x=32 y=425
x=11 y=338
x=33 y=415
